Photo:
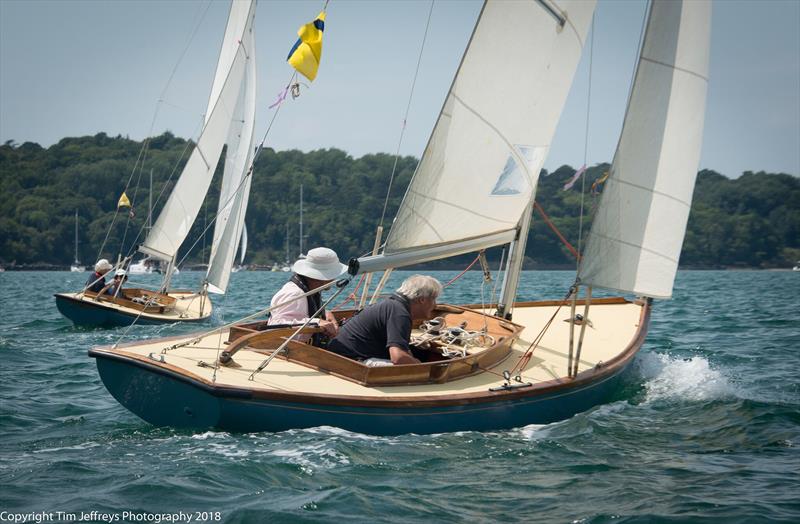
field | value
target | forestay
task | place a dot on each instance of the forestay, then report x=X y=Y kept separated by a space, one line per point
x=638 y=230
x=235 y=191
x=480 y=168
x=183 y=205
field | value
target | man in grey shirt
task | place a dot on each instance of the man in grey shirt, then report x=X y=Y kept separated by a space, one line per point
x=383 y=330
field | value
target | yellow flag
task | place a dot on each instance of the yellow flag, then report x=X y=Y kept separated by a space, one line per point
x=123 y=201
x=307 y=51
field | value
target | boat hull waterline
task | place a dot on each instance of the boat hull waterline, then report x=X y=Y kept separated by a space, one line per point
x=165 y=395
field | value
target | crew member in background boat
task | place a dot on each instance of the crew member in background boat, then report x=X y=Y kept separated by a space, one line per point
x=319 y=266
x=114 y=287
x=381 y=334
x=97 y=280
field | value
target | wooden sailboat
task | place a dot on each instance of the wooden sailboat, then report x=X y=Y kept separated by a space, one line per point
x=532 y=362
x=229 y=120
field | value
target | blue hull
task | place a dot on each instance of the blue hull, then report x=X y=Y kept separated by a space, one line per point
x=96 y=314
x=83 y=313
x=164 y=398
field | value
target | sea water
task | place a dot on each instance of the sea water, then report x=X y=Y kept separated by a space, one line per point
x=705 y=427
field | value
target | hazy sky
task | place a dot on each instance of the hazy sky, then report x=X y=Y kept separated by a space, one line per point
x=72 y=68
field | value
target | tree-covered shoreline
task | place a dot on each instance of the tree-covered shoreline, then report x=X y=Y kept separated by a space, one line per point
x=752 y=221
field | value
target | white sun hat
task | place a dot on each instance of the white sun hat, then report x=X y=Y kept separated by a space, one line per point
x=102 y=265
x=319 y=263
x=120 y=273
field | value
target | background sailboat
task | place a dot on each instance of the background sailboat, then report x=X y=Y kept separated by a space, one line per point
x=76 y=266
x=229 y=120
x=242 y=252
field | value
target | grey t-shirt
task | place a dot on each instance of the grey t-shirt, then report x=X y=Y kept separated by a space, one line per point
x=370 y=333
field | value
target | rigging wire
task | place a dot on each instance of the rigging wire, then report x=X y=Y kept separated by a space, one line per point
x=241 y=182
x=405 y=116
x=585 y=149
x=145 y=145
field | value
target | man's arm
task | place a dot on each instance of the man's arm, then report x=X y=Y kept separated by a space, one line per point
x=401 y=356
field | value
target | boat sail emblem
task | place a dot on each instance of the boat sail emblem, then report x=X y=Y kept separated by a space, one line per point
x=515 y=178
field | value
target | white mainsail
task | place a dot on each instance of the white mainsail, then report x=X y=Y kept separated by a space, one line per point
x=638 y=230
x=480 y=168
x=235 y=191
x=183 y=205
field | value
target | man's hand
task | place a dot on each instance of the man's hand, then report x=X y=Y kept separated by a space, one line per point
x=330 y=328
x=332 y=319
x=401 y=356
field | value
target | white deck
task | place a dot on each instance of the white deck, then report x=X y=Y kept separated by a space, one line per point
x=614 y=329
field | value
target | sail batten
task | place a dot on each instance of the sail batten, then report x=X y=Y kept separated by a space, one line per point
x=480 y=168
x=638 y=229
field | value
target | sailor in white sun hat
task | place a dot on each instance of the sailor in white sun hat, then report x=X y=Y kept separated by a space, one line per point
x=318 y=267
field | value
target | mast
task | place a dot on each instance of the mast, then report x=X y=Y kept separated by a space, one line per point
x=76 y=238
x=150 y=204
x=301 y=219
x=505 y=303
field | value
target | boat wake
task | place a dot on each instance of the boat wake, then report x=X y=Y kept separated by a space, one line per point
x=672 y=378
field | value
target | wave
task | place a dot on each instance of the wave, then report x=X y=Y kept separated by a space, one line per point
x=671 y=378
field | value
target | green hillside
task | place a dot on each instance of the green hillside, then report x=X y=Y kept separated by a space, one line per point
x=750 y=221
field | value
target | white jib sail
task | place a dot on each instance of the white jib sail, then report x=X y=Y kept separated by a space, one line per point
x=237 y=177
x=638 y=230
x=183 y=205
x=243 y=245
x=481 y=166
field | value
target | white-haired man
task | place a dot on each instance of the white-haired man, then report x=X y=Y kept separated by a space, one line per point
x=382 y=332
x=97 y=280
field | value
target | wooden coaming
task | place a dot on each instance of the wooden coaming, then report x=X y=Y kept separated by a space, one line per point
x=154 y=302
x=439 y=369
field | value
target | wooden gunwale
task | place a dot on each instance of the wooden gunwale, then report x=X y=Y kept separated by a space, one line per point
x=590 y=376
